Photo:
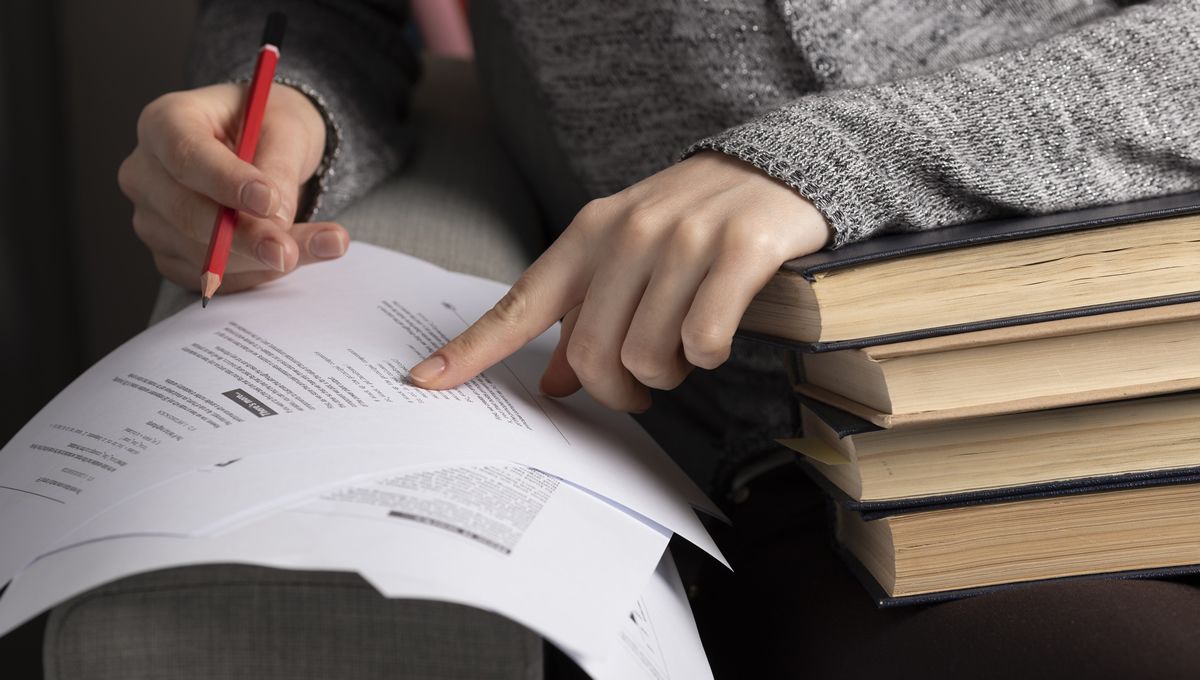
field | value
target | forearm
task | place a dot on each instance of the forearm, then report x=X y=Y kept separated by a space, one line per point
x=352 y=61
x=1101 y=114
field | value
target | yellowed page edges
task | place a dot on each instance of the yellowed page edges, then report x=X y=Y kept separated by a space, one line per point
x=815 y=449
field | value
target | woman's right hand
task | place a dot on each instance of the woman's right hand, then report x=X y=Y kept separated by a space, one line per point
x=184 y=166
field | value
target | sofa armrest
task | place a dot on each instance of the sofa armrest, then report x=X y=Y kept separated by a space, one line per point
x=233 y=622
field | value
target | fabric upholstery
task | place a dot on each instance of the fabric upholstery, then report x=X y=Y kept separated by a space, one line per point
x=250 y=623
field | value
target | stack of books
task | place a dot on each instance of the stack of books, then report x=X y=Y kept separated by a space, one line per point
x=1005 y=402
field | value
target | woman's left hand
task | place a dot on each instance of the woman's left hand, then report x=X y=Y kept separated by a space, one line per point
x=650 y=283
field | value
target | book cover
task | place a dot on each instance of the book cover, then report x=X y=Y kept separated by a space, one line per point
x=870 y=510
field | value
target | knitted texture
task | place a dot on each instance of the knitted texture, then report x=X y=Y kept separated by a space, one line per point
x=1101 y=114
x=886 y=114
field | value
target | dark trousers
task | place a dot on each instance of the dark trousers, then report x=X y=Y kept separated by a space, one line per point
x=793 y=610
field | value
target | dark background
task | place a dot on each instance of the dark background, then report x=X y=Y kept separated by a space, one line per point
x=74 y=281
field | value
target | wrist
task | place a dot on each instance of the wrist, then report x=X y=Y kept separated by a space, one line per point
x=327 y=138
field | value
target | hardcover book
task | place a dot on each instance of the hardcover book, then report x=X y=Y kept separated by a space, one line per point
x=1008 y=370
x=1111 y=445
x=987 y=275
x=950 y=552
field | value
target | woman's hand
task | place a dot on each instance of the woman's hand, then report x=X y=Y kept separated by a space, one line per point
x=184 y=166
x=650 y=283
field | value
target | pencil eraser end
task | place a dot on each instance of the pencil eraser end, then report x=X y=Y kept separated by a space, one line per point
x=273 y=33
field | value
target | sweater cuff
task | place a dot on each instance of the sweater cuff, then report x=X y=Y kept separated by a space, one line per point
x=319 y=183
x=827 y=168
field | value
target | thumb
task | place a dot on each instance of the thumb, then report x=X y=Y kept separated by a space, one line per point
x=287 y=159
x=320 y=241
x=197 y=160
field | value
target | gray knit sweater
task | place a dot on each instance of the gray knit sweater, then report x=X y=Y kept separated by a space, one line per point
x=886 y=114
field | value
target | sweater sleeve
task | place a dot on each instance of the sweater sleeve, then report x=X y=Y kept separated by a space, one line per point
x=352 y=59
x=1104 y=113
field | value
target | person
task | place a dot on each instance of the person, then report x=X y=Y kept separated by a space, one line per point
x=680 y=152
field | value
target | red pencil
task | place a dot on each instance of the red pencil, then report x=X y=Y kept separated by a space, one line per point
x=256 y=104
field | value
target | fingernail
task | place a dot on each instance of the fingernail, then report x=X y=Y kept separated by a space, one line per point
x=257 y=197
x=283 y=214
x=326 y=244
x=270 y=253
x=428 y=370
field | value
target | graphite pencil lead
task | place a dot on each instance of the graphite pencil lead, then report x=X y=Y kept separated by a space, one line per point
x=209 y=282
x=203 y=302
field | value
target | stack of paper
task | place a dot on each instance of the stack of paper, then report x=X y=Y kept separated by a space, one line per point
x=277 y=428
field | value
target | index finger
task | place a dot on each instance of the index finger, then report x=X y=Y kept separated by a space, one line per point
x=552 y=285
x=182 y=140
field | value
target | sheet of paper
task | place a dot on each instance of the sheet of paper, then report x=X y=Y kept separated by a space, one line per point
x=311 y=367
x=658 y=640
x=501 y=537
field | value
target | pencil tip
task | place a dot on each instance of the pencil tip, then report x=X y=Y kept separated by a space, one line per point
x=209 y=282
x=203 y=302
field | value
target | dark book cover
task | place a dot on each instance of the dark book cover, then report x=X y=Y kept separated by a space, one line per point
x=871 y=510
